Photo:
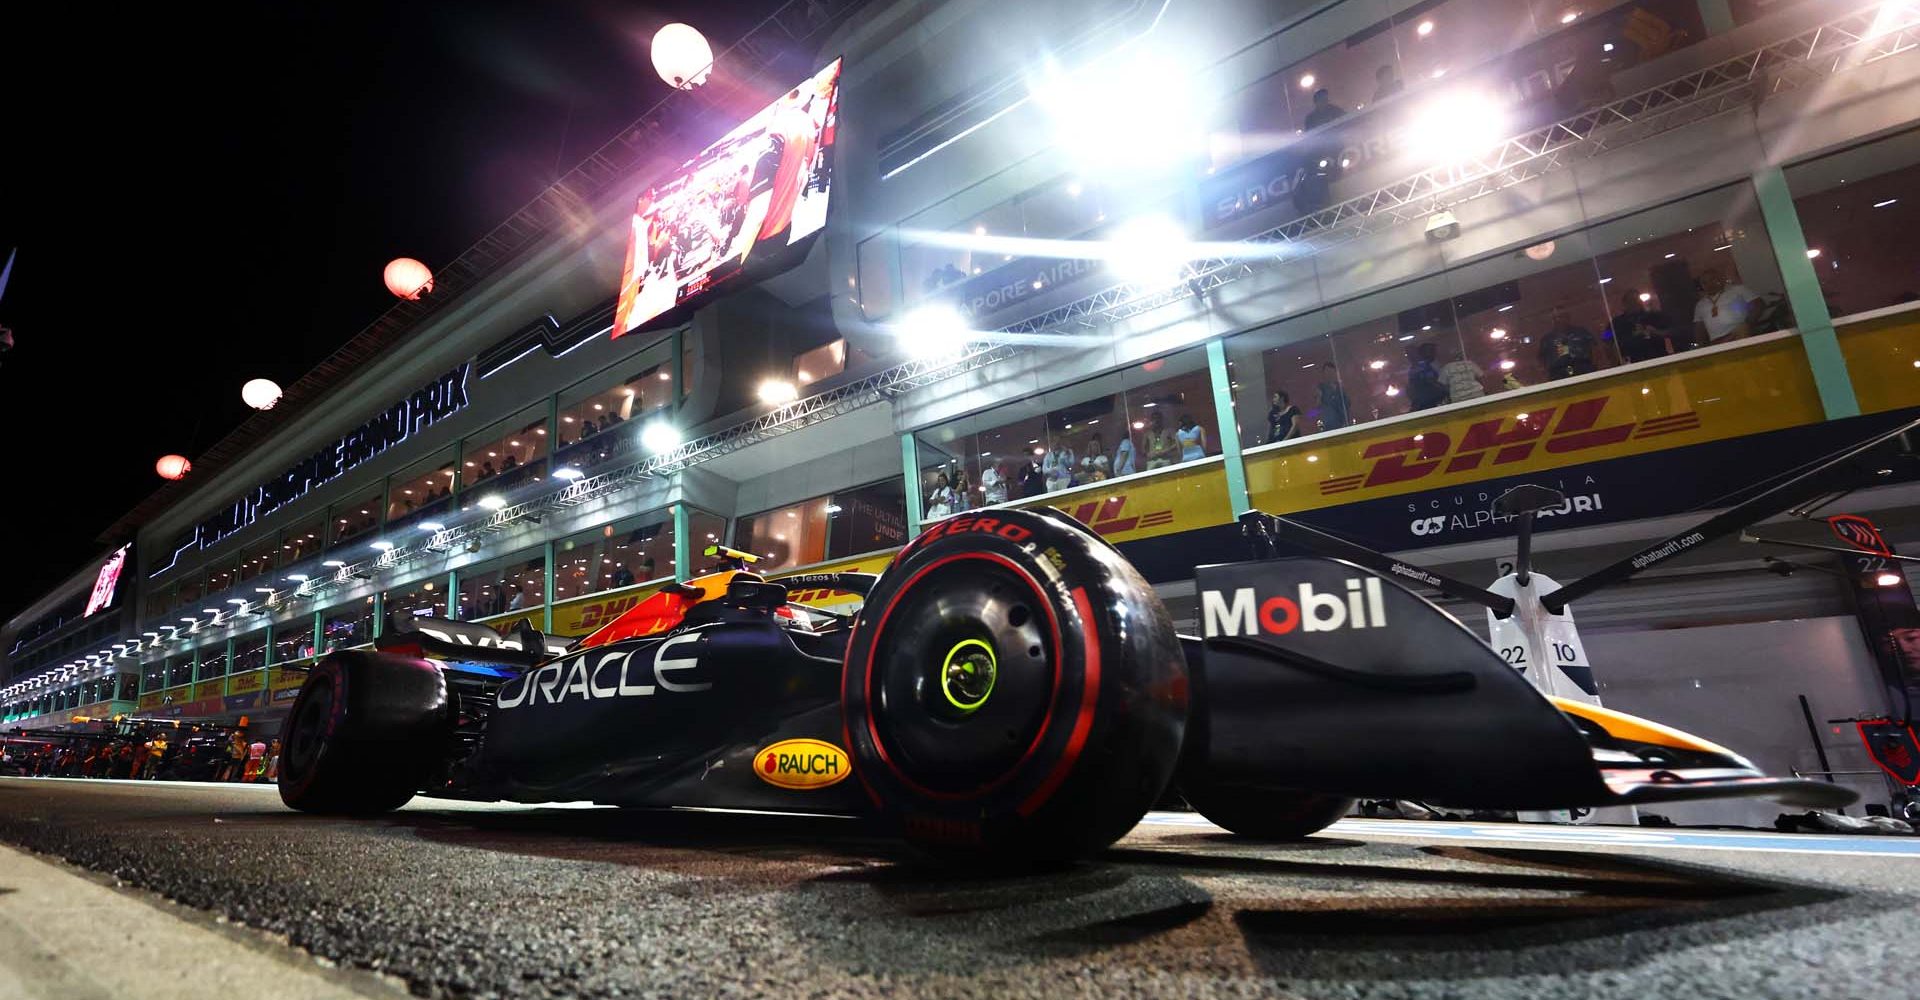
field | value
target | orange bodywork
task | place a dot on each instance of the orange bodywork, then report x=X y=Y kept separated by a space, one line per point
x=664 y=610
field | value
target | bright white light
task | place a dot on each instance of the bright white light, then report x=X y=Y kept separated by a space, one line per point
x=1506 y=366
x=568 y=473
x=1306 y=81
x=299 y=578
x=1456 y=126
x=263 y=590
x=230 y=600
x=1883 y=204
x=260 y=393
x=204 y=611
x=382 y=545
x=1150 y=251
x=1813 y=252
x=1376 y=365
x=1569 y=17
x=1606 y=47
x=1888 y=579
x=776 y=390
x=492 y=501
x=932 y=332
x=335 y=563
x=1425 y=29
x=1497 y=333
x=1646 y=296
x=1131 y=111
x=1393 y=390
x=432 y=526
x=660 y=437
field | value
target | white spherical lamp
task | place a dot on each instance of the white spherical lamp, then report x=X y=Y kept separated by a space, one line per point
x=408 y=278
x=682 y=56
x=260 y=393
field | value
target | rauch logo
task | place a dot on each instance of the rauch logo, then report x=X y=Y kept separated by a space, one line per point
x=1244 y=612
x=803 y=764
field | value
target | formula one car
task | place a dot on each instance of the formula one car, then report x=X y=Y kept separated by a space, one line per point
x=1011 y=688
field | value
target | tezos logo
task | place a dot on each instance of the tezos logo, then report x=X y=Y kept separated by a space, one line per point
x=1429 y=525
x=802 y=765
x=1245 y=613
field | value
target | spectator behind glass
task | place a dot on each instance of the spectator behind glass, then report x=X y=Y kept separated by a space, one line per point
x=1123 y=458
x=1283 y=419
x=993 y=484
x=1721 y=313
x=1192 y=439
x=962 y=499
x=1424 y=390
x=1641 y=333
x=1324 y=111
x=1333 y=406
x=1461 y=378
x=1160 y=447
x=1058 y=466
x=940 y=498
x=1567 y=349
x=646 y=568
x=1094 y=465
x=587 y=429
x=1033 y=481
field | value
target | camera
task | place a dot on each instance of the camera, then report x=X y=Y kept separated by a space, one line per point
x=1441 y=227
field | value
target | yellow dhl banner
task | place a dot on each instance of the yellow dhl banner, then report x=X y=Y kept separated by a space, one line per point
x=151 y=700
x=252 y=680
x=284 y=679
x=582 y=615
x=836 y=600
x=210 y=689
x=1178 y=499
x=1883 y=361
x=1764 y=388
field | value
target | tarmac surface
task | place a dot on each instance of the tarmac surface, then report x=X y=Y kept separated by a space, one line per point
x=452 y=899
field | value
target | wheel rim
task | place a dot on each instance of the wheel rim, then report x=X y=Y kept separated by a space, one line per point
x=307 y=730
x=964 y=680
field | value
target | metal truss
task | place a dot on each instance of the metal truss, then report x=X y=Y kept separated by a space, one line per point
x=779 y=421
x=1857 y=39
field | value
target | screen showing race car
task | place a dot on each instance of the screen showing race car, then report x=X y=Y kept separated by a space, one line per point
x=106 y=582
x=761 y=188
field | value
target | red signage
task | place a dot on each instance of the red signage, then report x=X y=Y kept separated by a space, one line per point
x=762 y=187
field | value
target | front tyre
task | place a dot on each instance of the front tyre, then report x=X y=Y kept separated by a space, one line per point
x=1263 y=813
x=1014 y=690
x=364 y=734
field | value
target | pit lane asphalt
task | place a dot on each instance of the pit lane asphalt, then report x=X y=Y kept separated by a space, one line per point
x=492 y=901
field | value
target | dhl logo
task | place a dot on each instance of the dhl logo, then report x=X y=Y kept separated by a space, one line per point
x=1501 y=441
x=1108 y=516
x=812 y=594
x=595 y=615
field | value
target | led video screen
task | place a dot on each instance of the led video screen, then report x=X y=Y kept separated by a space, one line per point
x=760 y=189
x=106 y=583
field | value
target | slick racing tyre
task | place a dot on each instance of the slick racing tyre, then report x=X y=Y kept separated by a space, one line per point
x=364 y=734
x=1014 y=691
x=1262 y=813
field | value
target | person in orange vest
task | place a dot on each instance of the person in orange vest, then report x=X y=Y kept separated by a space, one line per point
x=256 y=760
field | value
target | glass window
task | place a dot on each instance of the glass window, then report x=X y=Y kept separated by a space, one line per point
x=1860 y=209
x=256 y=560
x=621 y=554
x=250 y=652
x=516 y=583
x=303 y=541
x=825 y=361
x=347 y=626
x=153 y=676
x=593 y=427
x=420 y=599
x=180 y=669
x=508 y=454
x=293 y=639
x=129 y=687
x=421 y=492
x=356 y=520
x=213 y=661
x=849 y=522
x=969 y=259
x=1147 y=416
x=186 y=594
x=875 y=280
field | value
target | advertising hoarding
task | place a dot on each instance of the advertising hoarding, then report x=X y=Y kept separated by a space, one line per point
x=761 y=188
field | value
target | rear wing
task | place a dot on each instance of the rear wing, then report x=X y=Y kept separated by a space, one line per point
x=446 y=639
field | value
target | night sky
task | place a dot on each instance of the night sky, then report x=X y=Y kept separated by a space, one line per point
x=206 y=193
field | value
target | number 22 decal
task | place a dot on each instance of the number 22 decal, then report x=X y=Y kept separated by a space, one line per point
x=1515 y=655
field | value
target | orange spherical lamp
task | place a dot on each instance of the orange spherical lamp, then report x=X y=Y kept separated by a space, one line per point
x=408 y=278
x=172 y=466
x=682 y=56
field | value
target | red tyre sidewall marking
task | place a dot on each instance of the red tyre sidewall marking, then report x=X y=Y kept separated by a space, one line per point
x=1053 y=698
x=1083 y=722
x=338 y=711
